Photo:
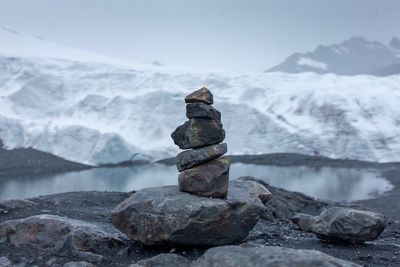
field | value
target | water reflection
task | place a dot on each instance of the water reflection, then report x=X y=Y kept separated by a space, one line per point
x=325 y=183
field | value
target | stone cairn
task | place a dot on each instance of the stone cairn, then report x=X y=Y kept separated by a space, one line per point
x=203 y=171
x=201 y=211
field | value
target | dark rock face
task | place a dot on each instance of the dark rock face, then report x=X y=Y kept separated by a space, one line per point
x=196 y=133
x=208 y=180
x=201 y=110
x=53 y=235
x=190 y=158
x=78 y=264
x=339 y=224
x=164 y=215
x=202 y=95
x=257 y=255
x=163 y=260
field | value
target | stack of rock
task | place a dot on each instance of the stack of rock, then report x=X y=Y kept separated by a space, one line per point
x=203 y=171
x=201 y=211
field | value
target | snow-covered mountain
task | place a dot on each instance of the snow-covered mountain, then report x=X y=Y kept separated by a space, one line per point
x=95 y=111
x=354 y=56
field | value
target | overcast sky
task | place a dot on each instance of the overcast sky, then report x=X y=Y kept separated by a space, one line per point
x=205 y=34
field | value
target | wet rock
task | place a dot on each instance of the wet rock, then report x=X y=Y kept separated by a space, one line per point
x=210 y=179
x=190 y=158
x=304 y=221
x=340 y=224
x=202 y=95
x=5 y=262
x=163 y=260
x=284 y=204
x=78 y=264
x=164 y=215
x=201 y=110
x=196 y=133
x=258 y=255
x=50 y=235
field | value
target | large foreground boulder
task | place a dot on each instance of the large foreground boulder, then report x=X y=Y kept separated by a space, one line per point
x=343 y=225
x=210 y=179
x=197 y=132
x=51 y=235
x=164 y=215
x=260 y=256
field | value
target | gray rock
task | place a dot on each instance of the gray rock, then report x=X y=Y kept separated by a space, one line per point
x=50 y=235
x=164 y=215
x=163 y=260
x=201 y=110
x=304 y=221
x=5 y=262
x=190 y=158
x=196 y=133
x=340 y=224
x=284 y=204
x=260 y=256
x=202 y=95
x=209 y=179
x=78 y=264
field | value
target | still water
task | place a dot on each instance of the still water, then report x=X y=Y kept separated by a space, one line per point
x=335 y=184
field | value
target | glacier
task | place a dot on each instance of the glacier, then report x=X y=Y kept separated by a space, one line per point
x=94 y=110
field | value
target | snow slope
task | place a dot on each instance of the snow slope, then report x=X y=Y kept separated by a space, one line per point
x=107 y=112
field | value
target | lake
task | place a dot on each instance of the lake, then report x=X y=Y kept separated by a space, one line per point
x=336 y=184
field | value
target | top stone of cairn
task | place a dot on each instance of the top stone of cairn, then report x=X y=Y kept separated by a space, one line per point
x=202 y=95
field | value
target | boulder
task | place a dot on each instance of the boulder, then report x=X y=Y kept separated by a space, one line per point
x=343 y=225
x=202 y=95
x=5 y=262
x=197 y=132
x=163 y=260
x=164 y=215
x=258 y=255
x=190 y=158
x=209 y=179
x=304 y=221
x=49 y=235
x=339 y=224
x=201 y=110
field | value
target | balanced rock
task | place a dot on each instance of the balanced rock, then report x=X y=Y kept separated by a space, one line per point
x=190 y=158
x=198 y=132
x=209 y=179
x=344 y=225
x=54 y=235
x=202 y=95
x=249 y=256
x=201 y=110
x=164 y=215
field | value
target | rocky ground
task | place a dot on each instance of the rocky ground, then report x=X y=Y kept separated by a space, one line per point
x=273 y=229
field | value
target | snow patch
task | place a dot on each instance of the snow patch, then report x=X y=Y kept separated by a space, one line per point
x=304 y=61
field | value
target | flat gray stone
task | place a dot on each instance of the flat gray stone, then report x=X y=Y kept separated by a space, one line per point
x=191 y=158
x=197 y=132
x=261 y=256
x=201 y=110
x=209 y=179
x=201 y=95
x=51 y=235
x=164 y=215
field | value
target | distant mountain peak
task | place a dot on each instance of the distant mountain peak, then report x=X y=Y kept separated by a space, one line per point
x=356 y=55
